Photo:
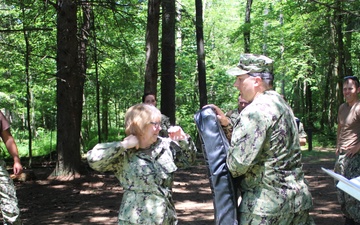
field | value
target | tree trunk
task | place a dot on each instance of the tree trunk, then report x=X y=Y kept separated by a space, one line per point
x=29 y=95
x=247 y=26
x=105 y=111
x=201 y=53
x=69 y=98
x=340 y=48
x=350 y=21
x=152 y=47
x=168 y=60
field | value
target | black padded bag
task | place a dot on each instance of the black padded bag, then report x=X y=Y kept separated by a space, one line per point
x=215 y=146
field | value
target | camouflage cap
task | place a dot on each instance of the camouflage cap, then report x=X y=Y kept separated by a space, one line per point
x=253 y=65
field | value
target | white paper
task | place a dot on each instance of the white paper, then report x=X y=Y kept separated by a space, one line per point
x=352 y=187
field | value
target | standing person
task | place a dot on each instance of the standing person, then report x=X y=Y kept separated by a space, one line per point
x=150 y=98
x=302 y=133
x=8 y=199
x=234 y=114
x=348 y=147
x=265 y=151
x=145 y=164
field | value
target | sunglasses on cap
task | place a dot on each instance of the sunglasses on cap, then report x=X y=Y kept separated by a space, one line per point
x=351 y=78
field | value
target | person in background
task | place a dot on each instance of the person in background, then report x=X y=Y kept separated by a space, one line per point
x=302 y=133
x=150 y=98
x=348 y=146
x=234 y=114
x=8 y=199
x=265 y=151
x=145 y=164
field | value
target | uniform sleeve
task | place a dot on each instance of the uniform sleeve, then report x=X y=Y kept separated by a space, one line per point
x=247 y=142
x=165 y=124
x=184 y=152
x=105 y=156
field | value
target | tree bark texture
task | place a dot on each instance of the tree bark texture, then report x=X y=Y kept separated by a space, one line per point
x=200 y=53
x=168 y=60
x=152 y=46
x=247 y=29
x=69 y=98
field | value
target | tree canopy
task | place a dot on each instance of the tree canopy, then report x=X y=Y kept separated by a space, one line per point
x=314 y=44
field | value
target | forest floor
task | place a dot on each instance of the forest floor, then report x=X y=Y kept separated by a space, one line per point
x=95 y=198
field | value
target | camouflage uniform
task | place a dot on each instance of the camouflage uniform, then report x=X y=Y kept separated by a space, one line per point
x=165 y=125
x=232 y=115
x=8 y=199
x=265 y=154
x=146 y=176
x=349 y=167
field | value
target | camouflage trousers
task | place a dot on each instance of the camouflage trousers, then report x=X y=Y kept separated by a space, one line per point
x=8 y=199
x=300 y=218
x=349 y=168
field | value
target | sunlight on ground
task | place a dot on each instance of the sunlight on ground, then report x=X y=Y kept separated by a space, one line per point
x=194 y=205
x=181 y=187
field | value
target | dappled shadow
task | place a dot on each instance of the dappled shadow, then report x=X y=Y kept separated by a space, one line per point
x=95 y=198
x=192 y=196
x=326 y=207
x=92 y=199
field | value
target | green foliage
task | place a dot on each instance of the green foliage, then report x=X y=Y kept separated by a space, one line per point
x=298 y=35
x=43 y=144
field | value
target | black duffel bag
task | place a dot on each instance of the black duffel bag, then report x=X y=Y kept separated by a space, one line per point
x=215 y=146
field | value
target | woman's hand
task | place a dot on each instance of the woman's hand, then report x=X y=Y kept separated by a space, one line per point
x=130 y=141
x=176 y=133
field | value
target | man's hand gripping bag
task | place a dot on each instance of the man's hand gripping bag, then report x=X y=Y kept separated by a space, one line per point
x=215 y=147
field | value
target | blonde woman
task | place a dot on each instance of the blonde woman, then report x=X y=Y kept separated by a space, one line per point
x=144 y=163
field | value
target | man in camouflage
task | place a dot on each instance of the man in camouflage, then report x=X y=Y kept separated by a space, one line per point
x=348 y=147
x=234 y=114
x=8 y=200
x=265 y=151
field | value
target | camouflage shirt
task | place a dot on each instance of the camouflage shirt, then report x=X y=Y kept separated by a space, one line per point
x=265 y=154
x=146 y=176
x=165 y=125
x=232 y=115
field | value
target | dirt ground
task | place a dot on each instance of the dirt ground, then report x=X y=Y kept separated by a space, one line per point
x=95 y=198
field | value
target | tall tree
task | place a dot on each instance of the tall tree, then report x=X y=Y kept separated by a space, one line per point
x=152 y=46
x=69 y=98
x=168 y=60
x=200 y=53
x=247 y=26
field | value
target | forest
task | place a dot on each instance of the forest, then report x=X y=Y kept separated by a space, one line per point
x=71 y=68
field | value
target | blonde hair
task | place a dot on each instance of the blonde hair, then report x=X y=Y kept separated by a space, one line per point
x=138 y=116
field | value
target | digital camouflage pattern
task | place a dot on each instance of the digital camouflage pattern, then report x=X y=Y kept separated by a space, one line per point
x=252 y=63
x=265 y=154
x=146 y=176
x=165 y=125
x=301 y=218
x=349 y=168
x=232 y=115
x=8 y=200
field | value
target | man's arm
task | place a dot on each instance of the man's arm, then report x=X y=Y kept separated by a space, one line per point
x=13 y=150
x=337 y=152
